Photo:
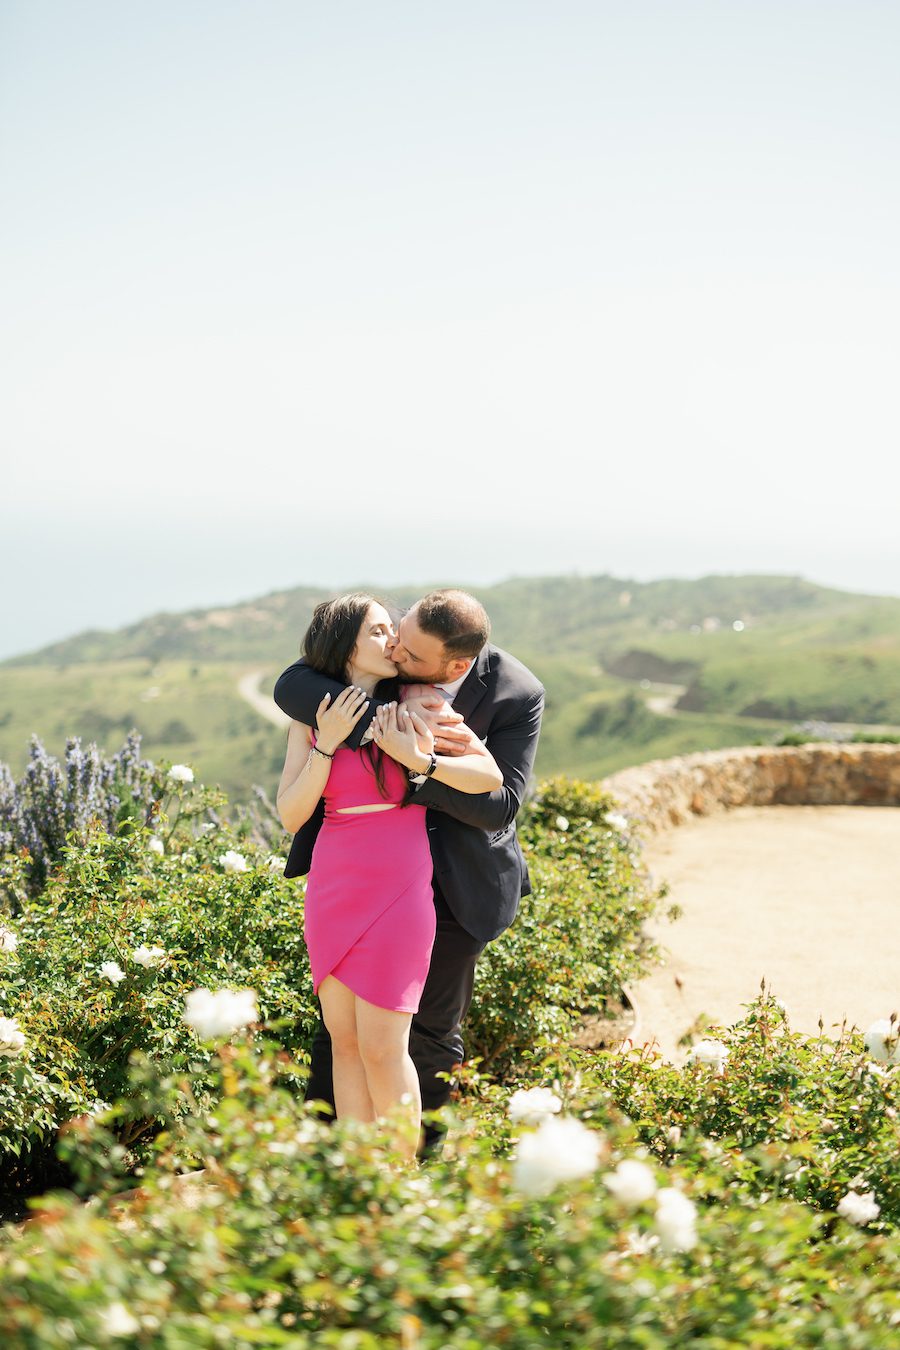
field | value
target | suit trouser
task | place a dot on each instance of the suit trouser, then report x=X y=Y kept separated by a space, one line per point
x=435 y=1040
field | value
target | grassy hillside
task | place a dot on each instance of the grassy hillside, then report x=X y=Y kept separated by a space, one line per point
x=799 y=652
x=584 y=615
x=187 y=712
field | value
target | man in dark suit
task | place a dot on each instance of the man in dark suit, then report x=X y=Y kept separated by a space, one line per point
x=479 y=871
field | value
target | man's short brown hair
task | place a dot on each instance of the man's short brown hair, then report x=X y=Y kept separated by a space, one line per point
x=457 y=618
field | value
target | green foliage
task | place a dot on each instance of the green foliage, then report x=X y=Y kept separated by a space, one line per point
x=799 y=736
x=805 y=652
x=257 y=1225
x=770 y=674
x=578 y=937
x=787 y=1115
x=225 y=1213
x=110 y=897
x=230 y=745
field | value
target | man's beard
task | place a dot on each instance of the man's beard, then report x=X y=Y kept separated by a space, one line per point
x=436 y=677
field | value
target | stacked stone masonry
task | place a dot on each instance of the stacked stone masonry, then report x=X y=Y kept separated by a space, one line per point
x=667 y=792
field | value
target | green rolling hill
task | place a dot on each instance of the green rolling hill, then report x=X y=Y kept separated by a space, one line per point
x=633 y=671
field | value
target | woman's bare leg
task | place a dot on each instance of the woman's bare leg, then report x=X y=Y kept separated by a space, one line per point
x=352 y=1100
x=383 y=1039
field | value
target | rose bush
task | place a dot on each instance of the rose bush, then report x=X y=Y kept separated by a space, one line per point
x=585 y=1199
x=578 y=938
x=97 y=963
x=762 y=1112
x=256 y=1224
x=104 y=958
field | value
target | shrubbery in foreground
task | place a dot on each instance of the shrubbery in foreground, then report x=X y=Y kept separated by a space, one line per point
x=299 y=1234
x=97 y=963
x=611 y=1200
x=106 y=954
x=578 y=938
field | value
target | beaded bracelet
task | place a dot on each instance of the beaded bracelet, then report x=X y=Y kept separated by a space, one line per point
x=323 y=753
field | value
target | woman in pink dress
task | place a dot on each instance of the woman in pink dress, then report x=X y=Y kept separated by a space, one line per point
x=369 y=915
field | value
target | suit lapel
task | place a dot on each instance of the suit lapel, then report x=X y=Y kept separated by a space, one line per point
x=474 y=686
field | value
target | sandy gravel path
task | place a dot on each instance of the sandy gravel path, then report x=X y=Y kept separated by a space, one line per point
x=806 y=896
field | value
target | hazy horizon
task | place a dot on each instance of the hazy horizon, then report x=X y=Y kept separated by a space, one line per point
x=382 y=586
x=300 y=294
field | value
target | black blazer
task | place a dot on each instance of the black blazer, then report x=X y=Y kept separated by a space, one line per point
x=478 y=862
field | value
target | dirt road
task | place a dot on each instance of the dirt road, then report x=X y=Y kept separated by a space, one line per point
x=248 y=688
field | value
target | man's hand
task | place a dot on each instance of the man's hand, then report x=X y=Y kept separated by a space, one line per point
x=451 y=735
x=456 y=741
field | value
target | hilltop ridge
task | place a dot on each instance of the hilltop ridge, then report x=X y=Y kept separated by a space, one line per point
x=633 y=671
x=529 y=610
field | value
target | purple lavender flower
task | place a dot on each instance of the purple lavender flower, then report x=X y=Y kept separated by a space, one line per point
x=54 y=801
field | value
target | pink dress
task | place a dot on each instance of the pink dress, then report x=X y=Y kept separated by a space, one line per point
x=369 y=916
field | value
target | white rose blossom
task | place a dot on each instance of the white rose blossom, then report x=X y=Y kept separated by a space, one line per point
x=882 y=1041
x=529 y=1106
x=181 y=773
x=116 y=1320
x=859 y=1209
x=216 y=1014
x=156 y=845
x=560 y=1149
x=112 y=971
x=641 y=1244
x=562 y=823
x=632 y=1183
x=233 y=862
x=676 y=1220
x=275 y=863
x=12 y=1038
x=8 y=940
x=148 y=956
x=711 y=1053
x=616 y=821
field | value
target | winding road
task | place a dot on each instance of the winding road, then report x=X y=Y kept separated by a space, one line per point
x=248 y=688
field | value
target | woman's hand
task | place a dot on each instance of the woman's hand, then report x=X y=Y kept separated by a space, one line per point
x=336 y=721
x=402 y=734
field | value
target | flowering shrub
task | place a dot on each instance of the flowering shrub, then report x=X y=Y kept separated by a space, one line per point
x=578 y=938
x=774 y=1113
x=54 y=800
x=97 y=964
x=610 y=1200
x=104 y=958
x=255 y=1224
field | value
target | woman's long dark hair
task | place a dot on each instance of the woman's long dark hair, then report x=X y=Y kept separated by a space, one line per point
x=328 y=646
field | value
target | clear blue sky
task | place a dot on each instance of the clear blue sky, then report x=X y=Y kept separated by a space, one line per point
x=305 y=292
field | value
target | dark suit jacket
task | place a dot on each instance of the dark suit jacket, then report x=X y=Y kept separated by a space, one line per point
x=478 y=862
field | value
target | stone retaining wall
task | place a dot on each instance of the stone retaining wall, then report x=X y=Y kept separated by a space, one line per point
x=667 y=792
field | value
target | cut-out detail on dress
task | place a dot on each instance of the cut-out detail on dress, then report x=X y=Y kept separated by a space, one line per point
x=364 y=810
